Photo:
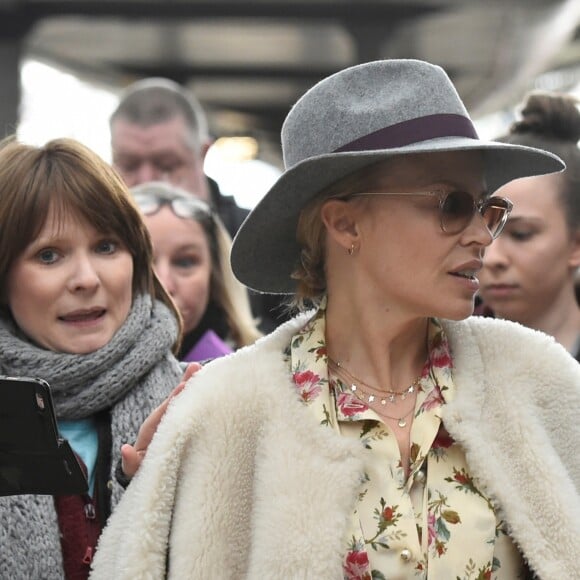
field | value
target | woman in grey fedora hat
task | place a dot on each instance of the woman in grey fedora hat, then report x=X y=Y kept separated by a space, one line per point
x=385 y=433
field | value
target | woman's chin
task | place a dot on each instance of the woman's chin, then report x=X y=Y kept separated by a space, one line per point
x=461 y=312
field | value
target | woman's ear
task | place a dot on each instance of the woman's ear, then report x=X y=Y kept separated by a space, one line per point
x=339 y=218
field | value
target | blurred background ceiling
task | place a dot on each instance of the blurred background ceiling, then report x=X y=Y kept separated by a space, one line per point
x=248 y=61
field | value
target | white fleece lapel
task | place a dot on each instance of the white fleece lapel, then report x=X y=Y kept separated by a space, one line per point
x=299 y=534
x=298 y=480
x=287 y=502
x=507 y=447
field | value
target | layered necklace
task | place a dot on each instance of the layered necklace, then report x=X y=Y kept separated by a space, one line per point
x=372 y=395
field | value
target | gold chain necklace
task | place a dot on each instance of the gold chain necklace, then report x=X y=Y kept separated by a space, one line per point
x=401 y=421
x=372 y=394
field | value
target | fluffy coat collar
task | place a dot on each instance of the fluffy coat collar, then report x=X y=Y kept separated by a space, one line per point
x=265 y=492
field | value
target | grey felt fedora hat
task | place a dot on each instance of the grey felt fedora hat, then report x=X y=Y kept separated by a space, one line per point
x=356 y=117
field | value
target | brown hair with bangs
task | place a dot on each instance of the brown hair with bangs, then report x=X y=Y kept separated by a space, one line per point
x=66 y=177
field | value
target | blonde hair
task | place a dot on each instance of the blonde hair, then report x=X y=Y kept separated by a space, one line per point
x=65 y=176
x=310 y=271
x=225 y=290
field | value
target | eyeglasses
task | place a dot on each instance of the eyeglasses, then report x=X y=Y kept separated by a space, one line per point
x=193 y=208
x=457 y=208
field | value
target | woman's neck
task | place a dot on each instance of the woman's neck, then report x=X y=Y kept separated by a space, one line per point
x=378 y=346
x=562 y=321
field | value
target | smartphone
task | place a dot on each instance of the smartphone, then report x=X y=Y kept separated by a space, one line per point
x=34 y=458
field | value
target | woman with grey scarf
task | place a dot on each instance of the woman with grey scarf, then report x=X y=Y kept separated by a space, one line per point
x=82 y=309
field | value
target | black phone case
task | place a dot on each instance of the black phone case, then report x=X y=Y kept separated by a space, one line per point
x=34 y=459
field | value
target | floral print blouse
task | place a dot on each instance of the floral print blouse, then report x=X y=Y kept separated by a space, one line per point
x=435 y=524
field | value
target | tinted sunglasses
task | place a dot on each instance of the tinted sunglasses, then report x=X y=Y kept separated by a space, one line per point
x=457 y=208
x=150 y=203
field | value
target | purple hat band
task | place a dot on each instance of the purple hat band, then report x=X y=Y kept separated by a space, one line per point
x=413 y=131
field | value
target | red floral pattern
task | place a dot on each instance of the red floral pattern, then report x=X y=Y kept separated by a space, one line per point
x=446 y=524
x=356 y=565
x=433 y=400
x=443 y=440
x=350 y=405
x=308 y=385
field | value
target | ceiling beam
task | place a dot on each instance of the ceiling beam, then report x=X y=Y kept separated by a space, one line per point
x=168 y=10
x=182 y=72
x=226 y=71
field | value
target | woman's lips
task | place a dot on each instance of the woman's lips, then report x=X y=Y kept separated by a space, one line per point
x=83 y=316
x=470 y=282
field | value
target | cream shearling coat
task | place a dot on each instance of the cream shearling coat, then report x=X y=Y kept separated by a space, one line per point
x=241 y=482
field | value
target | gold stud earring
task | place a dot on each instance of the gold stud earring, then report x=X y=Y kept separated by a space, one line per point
x=351 y=250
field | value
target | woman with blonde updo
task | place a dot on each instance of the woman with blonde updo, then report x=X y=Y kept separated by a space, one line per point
x=530 y=271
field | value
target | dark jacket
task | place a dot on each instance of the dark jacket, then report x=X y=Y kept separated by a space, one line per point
x=231 y=214
x=269 y=308
x=213 y=319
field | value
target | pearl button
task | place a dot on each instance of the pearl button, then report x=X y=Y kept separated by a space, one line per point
x=420 y=476
x=405 y=555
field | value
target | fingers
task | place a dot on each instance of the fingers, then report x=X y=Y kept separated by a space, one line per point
x=152 y=422
x=130 y=460
x=132 y=456
x=191 y=369
x=157 y=414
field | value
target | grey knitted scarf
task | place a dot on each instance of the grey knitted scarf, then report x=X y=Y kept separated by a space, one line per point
x=130 y=376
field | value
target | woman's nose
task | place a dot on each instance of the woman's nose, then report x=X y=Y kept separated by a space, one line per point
x=495 y=255
x=84 y=275
x=477 y=231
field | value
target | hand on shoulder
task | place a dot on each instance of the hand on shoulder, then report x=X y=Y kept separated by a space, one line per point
x=133 y=455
